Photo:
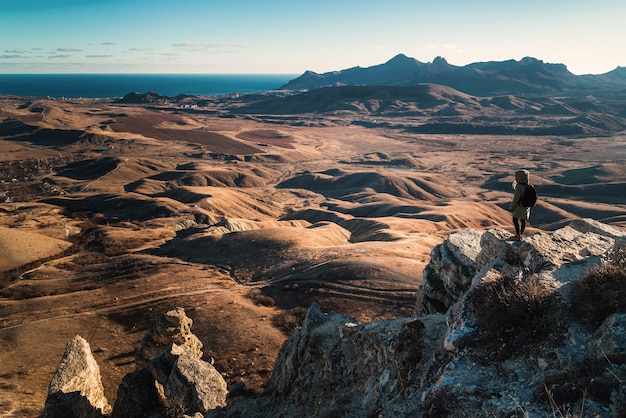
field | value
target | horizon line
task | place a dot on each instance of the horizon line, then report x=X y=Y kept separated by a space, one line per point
x=146 y=73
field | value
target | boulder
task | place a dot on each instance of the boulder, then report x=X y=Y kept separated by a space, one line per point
x=496 y=247
x=544 y=251
x=76 y=388
x=610 y=339
x=137 y=396
x=172 y=327
x=187 y=384
x=171 y=379
x=450 y=271
x=588 y=225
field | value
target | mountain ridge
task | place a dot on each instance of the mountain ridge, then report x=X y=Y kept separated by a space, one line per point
x=445 y=109
x=528 y=76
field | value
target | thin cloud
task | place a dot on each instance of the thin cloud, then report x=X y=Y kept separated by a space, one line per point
x=108 y=43
x=99 y=56
x=11 y=56
x=69 y=50
x=204 y=46
x=59 y=56
x=188 y=45
x=16 y=51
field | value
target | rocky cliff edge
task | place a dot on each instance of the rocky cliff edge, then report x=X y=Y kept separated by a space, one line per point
x=535 y=327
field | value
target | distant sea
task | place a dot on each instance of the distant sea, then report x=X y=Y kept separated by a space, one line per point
x=118 y=85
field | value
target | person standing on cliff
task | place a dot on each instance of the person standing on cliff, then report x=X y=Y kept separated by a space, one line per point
x=520 y=213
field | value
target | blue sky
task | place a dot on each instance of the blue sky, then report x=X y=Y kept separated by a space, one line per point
x=290 y=37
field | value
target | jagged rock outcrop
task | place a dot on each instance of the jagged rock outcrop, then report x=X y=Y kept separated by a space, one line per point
x=456 y=262
x=171 y=379
x=449 y=272
x=517 y=342
x=509 y=334
x=336 y=366
x=172 y=382
x=186 y=383
x=378 y=361
x=172 y=327
x=76 y=388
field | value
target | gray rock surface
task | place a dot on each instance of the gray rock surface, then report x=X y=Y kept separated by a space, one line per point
x=450 y=271
x=137 y=396
x=76 y=388
x=172 y=327
x=187 y=383
x=468 y=254
x=171 y=379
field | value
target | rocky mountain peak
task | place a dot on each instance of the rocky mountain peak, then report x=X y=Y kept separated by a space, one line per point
x=527 y=77
x=402 y=60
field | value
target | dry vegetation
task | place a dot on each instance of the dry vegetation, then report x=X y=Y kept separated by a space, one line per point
x=517 y=313
x=602 y=292
x=513 y=314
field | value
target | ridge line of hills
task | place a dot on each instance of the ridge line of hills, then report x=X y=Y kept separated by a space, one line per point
x=528 y=76
x=526 y=97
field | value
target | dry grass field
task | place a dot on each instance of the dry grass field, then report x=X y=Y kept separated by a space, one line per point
x=111 y=214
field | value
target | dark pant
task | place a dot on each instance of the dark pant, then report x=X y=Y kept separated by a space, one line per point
x=520 y=225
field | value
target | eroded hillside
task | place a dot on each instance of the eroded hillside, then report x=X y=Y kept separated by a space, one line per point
x=114 y=213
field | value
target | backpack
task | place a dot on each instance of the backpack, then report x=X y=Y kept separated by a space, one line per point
x=529 y=198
